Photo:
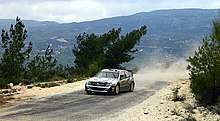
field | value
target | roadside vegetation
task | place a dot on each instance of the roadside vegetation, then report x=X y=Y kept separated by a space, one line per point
x=108 y=50
x=204 y=68
x=93 y=52
x=17 y=64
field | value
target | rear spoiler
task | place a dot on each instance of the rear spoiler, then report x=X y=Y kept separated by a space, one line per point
x=130 y=72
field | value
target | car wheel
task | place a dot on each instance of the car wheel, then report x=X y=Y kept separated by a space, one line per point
x=88 y=92
x=131 y=87
x=117 y=89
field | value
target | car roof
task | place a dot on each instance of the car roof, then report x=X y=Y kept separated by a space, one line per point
x=112 y=70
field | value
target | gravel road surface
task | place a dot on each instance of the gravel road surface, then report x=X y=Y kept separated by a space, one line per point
x=78 y=106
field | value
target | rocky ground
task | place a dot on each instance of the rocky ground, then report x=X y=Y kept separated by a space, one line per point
x=161 y=107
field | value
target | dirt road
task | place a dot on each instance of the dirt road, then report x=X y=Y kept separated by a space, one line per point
x=78 y=106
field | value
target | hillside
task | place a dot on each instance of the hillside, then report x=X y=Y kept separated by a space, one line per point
x=170 y=32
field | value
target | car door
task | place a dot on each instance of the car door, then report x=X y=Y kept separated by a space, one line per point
x=123 y=81
x=127 y=81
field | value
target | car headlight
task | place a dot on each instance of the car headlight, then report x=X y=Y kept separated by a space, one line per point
x=108 y=84
x=88 y=83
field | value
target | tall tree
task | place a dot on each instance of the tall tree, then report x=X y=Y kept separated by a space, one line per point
x=204 y=68
x=85 y=50
x=41 y=68
x=15 y=54
x=108 y=50
x=120 y=49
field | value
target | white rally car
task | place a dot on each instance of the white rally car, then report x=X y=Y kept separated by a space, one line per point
x=110 y=81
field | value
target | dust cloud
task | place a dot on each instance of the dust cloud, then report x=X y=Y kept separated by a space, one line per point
x=159 y=69
x=163 y=72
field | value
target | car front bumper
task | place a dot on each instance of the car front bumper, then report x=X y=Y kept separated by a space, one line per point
x=91 y=88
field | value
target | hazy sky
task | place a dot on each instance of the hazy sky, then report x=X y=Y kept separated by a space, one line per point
x=64 y=11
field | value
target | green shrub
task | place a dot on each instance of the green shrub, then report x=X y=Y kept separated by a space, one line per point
x=218 y=99
x=176 y=96
x=3 y=83
x=56 y=78
x=47 y=84
x=27 y=81
x=70 y=80
x=204 y=68
x=209 y=96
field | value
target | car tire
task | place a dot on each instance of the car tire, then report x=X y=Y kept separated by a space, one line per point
x=88 y=92
x=117 y=89
x=131 y=87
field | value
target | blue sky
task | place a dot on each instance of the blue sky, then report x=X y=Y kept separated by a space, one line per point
x=65 y=11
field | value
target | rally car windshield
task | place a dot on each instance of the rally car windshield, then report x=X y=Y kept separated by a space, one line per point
x=107 y=75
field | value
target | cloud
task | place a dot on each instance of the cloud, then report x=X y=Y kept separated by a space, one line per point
x=85 y=10
x=61 y=11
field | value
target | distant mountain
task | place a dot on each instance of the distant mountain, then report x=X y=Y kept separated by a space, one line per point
x=170 y=32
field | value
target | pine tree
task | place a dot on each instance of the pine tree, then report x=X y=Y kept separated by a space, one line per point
x=41 y=68
x=15 y=52
x=108 y=50
x=120 y=50
x=204 y=68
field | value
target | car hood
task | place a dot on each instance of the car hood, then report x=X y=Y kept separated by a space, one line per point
x=96 y=79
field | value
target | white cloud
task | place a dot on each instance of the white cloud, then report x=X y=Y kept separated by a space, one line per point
x=85 y=10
